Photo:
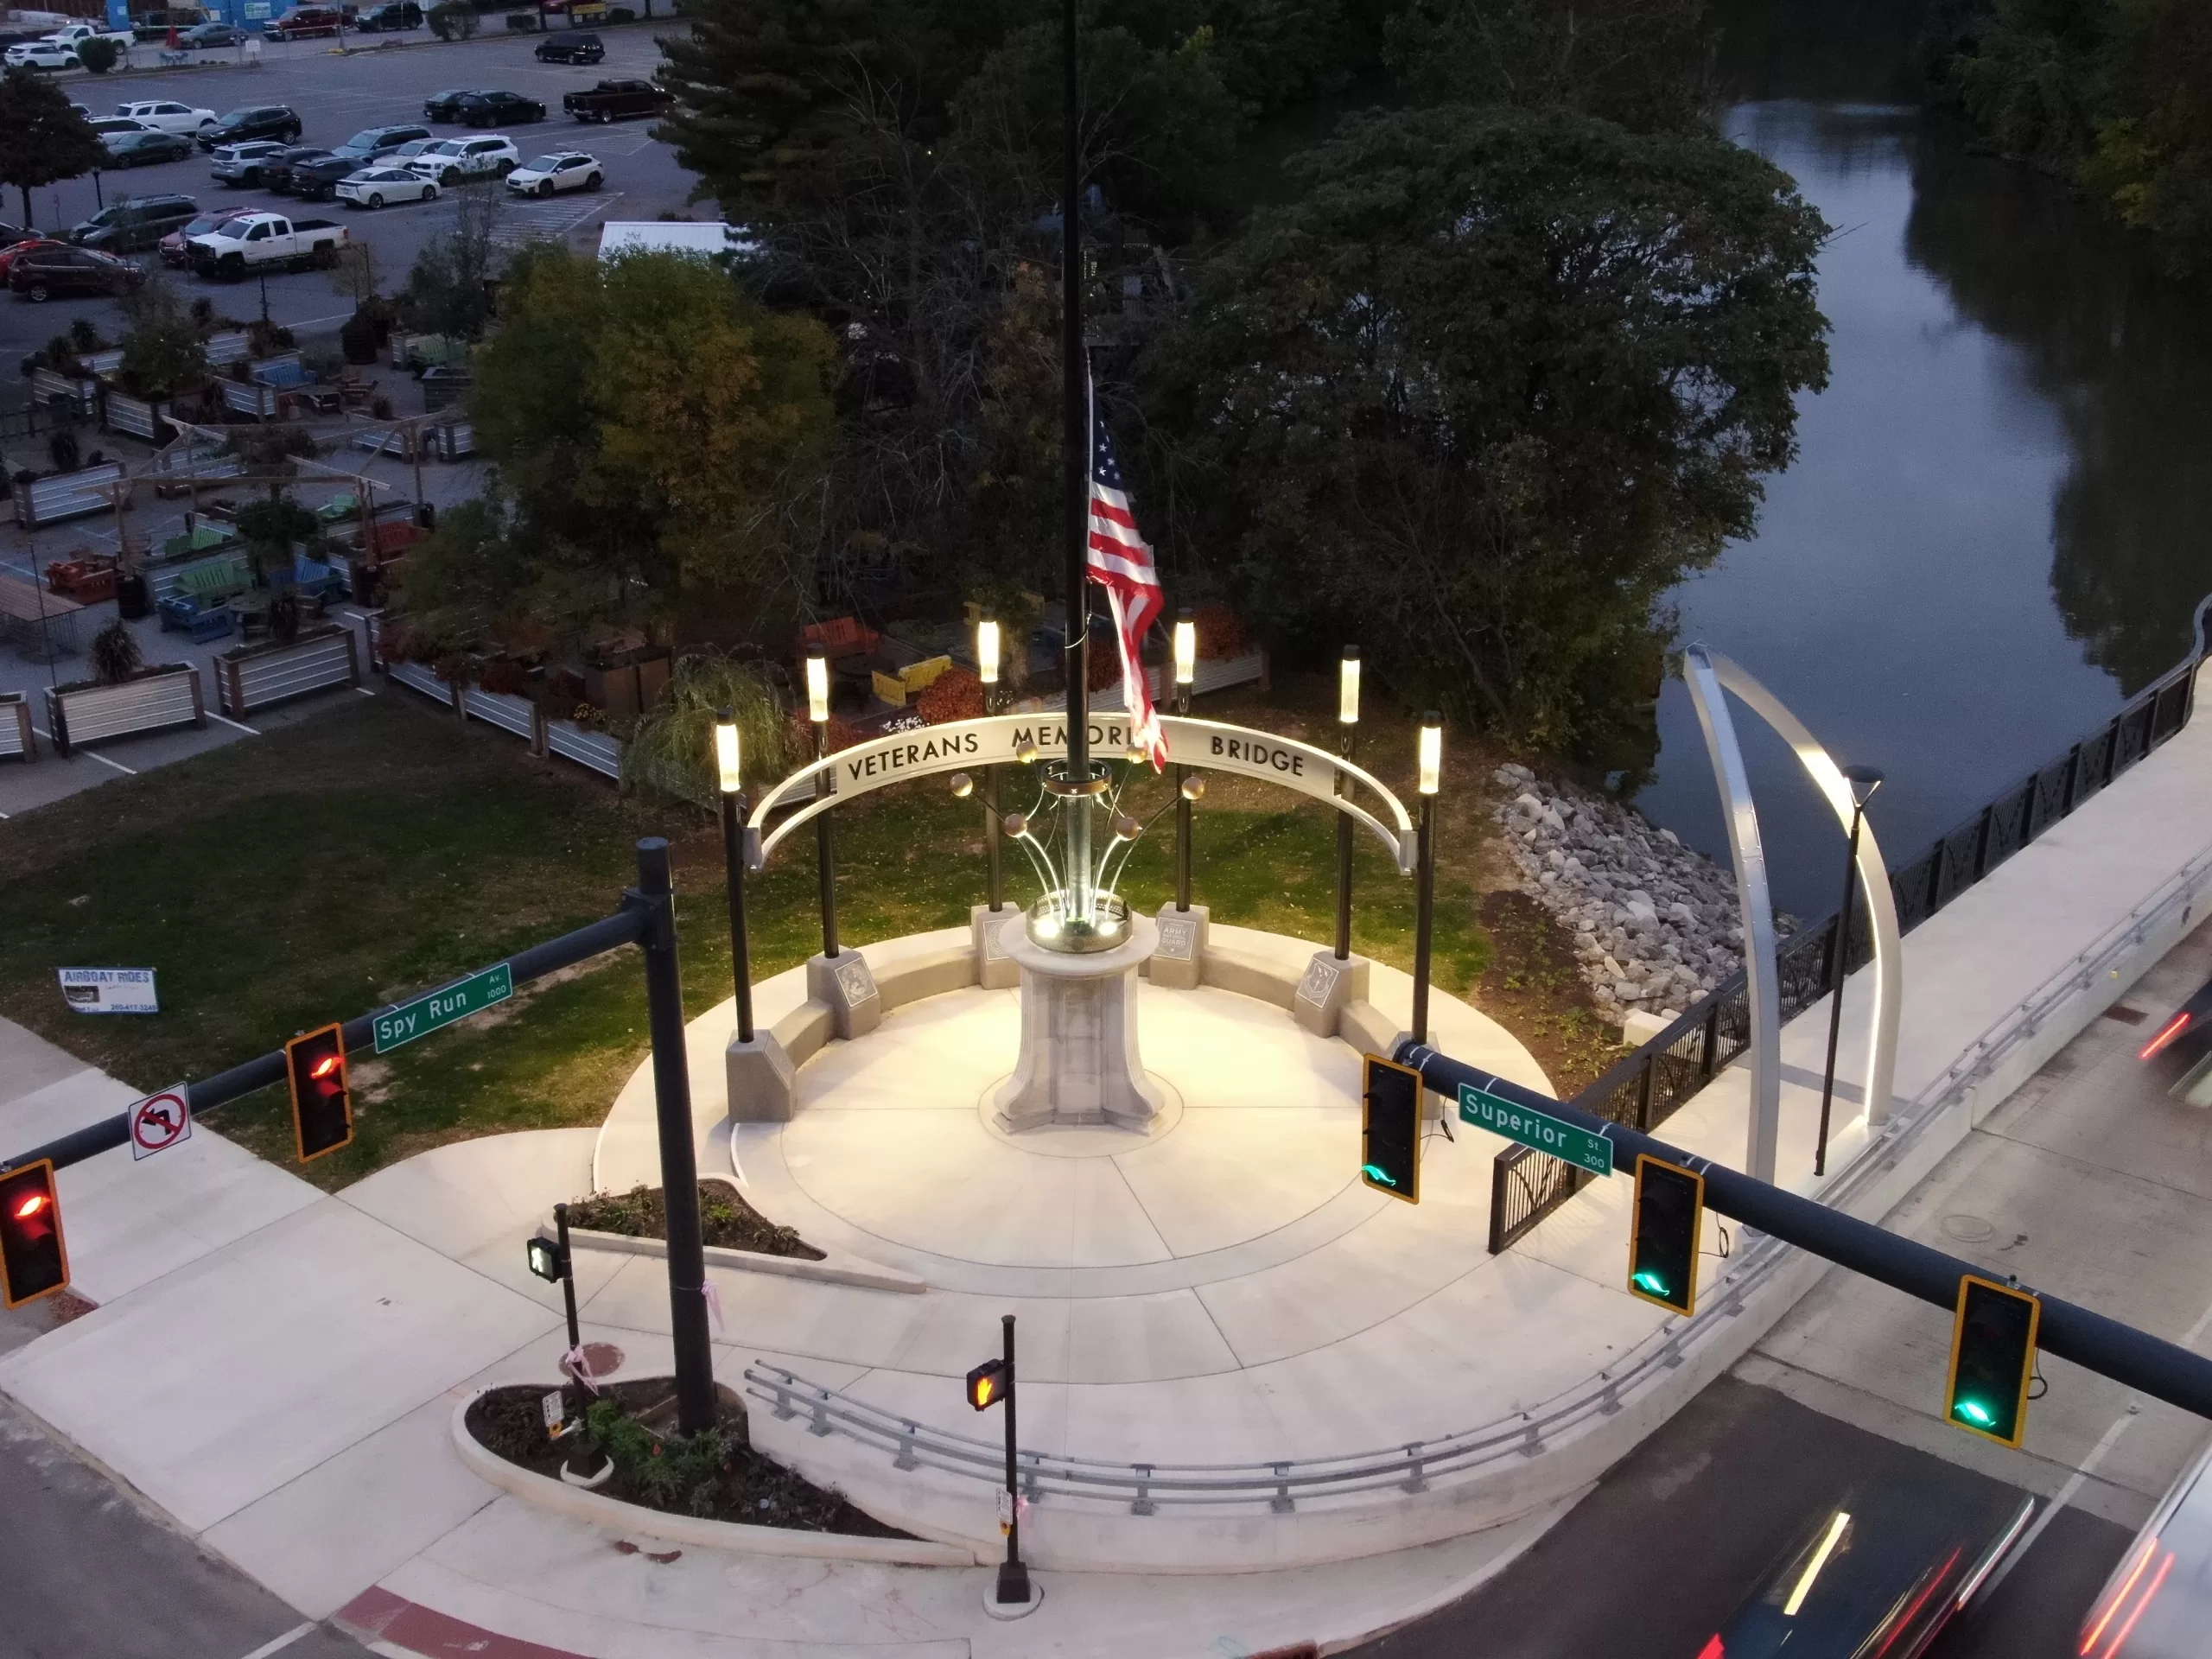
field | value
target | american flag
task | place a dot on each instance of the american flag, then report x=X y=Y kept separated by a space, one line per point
x=1120 y=562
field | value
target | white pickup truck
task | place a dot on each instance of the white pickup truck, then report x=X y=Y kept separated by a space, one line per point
x=59 y=49
x=258 y=241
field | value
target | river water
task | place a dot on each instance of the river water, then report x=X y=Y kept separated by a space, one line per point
x=2000 y=518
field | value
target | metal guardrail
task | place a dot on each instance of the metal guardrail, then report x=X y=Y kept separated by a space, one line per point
x=1643 y=1089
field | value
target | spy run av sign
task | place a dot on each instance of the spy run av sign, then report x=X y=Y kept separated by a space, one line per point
x=1019 y=740
x=442 y=1007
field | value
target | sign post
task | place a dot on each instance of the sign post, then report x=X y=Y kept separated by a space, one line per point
x=436 y=1009
x=1568 y=1142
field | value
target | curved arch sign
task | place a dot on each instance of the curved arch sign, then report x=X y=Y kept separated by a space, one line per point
x=999 y=739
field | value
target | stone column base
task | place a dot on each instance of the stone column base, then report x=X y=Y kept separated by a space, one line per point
x=1329 y=984
x=994 y=969
x=1179 y=962
x=845 y=985
x=1080 y=1062
x=763 y=1086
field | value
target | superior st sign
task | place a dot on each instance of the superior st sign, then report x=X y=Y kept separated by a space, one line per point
x=1565 y=1142
x=442 y=1007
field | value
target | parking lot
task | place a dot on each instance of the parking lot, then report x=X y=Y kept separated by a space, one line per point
x=336 y=95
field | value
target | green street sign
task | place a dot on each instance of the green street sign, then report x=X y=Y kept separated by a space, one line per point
x=1563 y=1140
x=442 y=1007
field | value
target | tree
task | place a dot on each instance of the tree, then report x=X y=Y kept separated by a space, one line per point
x=43 y=139
x=164 y=352
x=2152 y=160
x=449 y=286
x=98 y=56
x=1497 y=382
x=657 y=426
x=1646 y=64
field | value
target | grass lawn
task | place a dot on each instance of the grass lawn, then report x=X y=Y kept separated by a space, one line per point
x=358 y=857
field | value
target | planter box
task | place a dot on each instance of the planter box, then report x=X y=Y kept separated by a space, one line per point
x=16 y=738
x=69 y=495
x=835 y=1268
x=120 y=412
x=46 y=386
x=599 y=751
x=262 y=675
x=509 y=712
x=153 y=702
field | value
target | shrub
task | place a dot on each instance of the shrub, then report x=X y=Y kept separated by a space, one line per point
x=455 y=19
x=115 y=653
x=1221 y=632
x=504 y=676
x=674 y=746
x=957 y=695
x=97 y=55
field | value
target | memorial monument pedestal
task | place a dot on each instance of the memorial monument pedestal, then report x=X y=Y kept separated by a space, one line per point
x=1079 y=1061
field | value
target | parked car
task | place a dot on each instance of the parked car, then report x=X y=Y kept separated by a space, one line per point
x=318 y=179
x=168 y=115
x=29 y=245
x=404 y=153
x=115 y=126
x=75 y=35
x=446 y=106
x=134 y=223
x=2179 y=1053
x=41 y=54
x=499 y=109
x=1882 y=1573
x=2148 y=1609
x=277 y=121
x=375 y=187
x=155 y=25
x=259 y=241
x=11 y=234
x=43 y=273
x=617 y=100
x=373 y=143
x=307 y=23
x=172 y=245
x=241 y=164
x=142 y=148
x=276 y=171
x=394 y=14
x=202 y=37
x=572 y=46
x=456 y=161
x=570 y=171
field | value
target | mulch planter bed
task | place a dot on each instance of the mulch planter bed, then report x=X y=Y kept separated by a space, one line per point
x=726 y=1220
x=740 y=1486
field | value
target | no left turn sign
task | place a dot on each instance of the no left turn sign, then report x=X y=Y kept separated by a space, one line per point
x=159 y=1121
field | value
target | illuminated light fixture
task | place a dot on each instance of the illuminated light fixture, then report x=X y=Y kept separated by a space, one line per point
x=728 y=752
x=1026 y=752
x=1651 y=1282
x=987 y=650
x=1804 y=1586
x=1375 y=1172
x=545 y=1260
x=962 y=785
x=325 y=1066
x=1975 y=1412
x=30 y=1206
x=817 y=686
x=1186 y=650
x=1348 y=688
x=1432 y=752
x=1194 y=789
x=2173 y=1028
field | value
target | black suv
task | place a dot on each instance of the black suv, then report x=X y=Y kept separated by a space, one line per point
x=318 y=179
x=394 y=14
x=365 y=147
x=446 y=106
x=572 y=46
x=277 y=121
x=498 y=110
x=135 y=223
x=278 y=172
x=45 y=272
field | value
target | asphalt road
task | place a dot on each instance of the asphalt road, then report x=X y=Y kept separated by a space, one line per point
x=1677 y=1534
x=338 y=95
x=93 y=1574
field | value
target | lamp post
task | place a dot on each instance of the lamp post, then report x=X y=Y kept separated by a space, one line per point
x=729 y=756
x=1430 y=763
x=1186 y=672
x=1864 y=781
x=825 y=845
x=1347 y=740
x=987 y=669
x=1075 y=443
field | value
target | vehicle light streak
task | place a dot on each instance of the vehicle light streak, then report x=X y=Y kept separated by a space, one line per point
x=1804 y=1586
x=2173 y=1028
x=2149 y=1595
x=2149 y=1547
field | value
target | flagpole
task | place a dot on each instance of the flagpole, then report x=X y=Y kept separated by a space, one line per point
x=1076 y=435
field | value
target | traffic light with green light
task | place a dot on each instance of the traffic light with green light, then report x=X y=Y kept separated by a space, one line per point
x=322 y=1105
x=1992 y=1359
x=1662 y=1237
x=34 y=1260
x=1390 y=1137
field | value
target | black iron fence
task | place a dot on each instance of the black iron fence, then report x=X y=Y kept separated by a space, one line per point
x=1645 y=1088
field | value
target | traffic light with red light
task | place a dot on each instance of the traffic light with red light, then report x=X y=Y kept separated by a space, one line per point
x=987 y=1384
x=1993 y=1358
x=1663 y=1237
x=34 y=1260
x=1389 y=1140
x=322 y=1105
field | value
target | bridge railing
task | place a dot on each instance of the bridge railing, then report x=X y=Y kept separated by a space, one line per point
x=1644 y=1089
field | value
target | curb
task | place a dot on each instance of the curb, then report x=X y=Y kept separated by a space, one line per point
x=835 y=1268
x=615 y=1515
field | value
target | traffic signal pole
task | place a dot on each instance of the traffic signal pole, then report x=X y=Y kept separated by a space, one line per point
x=2134 y=1358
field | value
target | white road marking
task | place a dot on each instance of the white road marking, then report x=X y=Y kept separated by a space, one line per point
x=128 y=772
x=281 y=1643
x=227 y=721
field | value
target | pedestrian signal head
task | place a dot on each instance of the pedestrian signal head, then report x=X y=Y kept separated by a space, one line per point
x=987 y=1384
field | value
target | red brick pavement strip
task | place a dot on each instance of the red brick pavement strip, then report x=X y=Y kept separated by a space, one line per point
x=376 y=1615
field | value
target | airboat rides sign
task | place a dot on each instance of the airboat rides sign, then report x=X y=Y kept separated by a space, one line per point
x=1019 y=740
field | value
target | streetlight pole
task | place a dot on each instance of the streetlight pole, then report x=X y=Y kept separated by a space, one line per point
x=1864 y=781
x=1075 y=438
x=1014 y=1575
x=825 y=843
x=727 y=758
x=1347 y=741
x=1431 y=760
x=1186 y=673
x=987 y=669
